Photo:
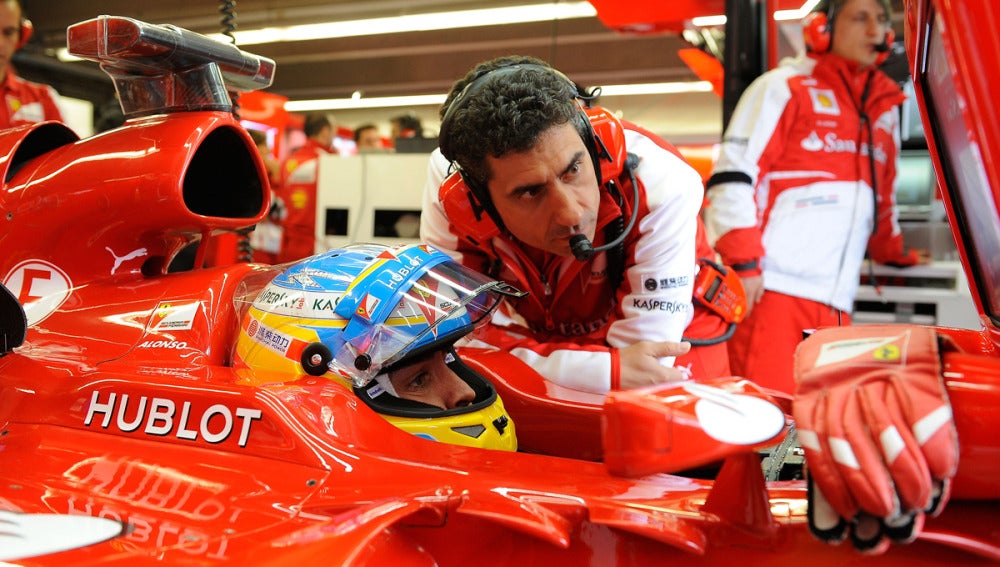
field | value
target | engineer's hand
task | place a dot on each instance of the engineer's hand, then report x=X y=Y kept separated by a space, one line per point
x=640 y=363
x=874 y=419
x=753 y=286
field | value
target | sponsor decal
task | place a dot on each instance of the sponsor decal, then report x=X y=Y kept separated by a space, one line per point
x=306 y=278
x=830 y=143
x=27 y=111
x=40 y=287
x=824 y=101
x=317 y=305
x=734 y=418
x=653 y=283
x=36 y=535
x=299 y=197
x=576 y=328
x=119 y=260
x=265 y=335
x=367 y=306
x=305 y=174
x=839 y=351
x=159 y=417
x=179 y=345
x=661 y=305
x=816 y=201
x=887 y=353
x=812 y=143
x=171 y=316
x=399 y=275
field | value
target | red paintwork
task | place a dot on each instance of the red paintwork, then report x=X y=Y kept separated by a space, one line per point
x=302 y=472
x=654 y=17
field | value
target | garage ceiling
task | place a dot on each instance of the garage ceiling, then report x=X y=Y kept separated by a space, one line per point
x=416 y=62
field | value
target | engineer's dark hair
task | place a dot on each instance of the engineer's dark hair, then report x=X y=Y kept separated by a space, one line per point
x=517 y=99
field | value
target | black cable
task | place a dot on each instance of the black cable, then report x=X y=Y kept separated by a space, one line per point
x=244 y=250
x=228 y=10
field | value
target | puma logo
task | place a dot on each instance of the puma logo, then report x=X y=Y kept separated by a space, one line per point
x=119 y=260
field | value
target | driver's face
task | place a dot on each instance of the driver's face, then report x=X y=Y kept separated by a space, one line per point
x=429 y=380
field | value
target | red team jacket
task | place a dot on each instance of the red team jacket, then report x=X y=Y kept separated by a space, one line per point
x=569 y=326
x=25 y=102
x=298 y=191
x=794 y=178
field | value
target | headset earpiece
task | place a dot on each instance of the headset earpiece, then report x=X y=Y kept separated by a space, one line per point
x=466 y=210
x=816 y=32
x=24 y=33
x=608 y=138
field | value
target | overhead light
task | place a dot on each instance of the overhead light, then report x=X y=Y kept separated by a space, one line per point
x=356 y=103
x=779 y=15
x=543 y=12
x=438 y=99
x=416 y=22
x=677 y=87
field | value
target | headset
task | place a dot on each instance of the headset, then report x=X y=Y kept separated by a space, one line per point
x=24 y=33
x=467 y=202
x=817 y=30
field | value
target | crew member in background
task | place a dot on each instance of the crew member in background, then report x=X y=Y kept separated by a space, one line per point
x=805 y=182
x=24 y=102
x=367 y=139
x=543 y=189
x=266 y=239
x=300 y=175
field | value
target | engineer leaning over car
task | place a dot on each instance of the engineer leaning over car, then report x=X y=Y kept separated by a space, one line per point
x=597 y=219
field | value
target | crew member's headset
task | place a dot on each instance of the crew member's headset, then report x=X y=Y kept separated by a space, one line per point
x=24 y=33
x=817 y=30
x=467 y=202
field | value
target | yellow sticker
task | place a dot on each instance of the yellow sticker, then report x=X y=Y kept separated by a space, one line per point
x=887 y=353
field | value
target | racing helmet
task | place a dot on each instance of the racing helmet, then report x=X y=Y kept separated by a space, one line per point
x=356 y=313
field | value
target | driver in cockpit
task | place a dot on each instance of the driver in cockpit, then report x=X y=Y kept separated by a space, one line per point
x=383 y=322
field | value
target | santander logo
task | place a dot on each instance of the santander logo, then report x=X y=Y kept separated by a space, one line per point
x=812 y=142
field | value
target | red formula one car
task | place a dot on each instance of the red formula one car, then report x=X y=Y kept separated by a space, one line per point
x=128 y=435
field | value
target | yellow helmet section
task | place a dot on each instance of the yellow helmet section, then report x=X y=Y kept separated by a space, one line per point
x=323 y=315
x=487 y=428
x=271 y=343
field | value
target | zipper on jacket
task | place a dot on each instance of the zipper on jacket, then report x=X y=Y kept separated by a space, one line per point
x=545 y=284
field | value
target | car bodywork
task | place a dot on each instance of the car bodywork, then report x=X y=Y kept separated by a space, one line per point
x=123 y=423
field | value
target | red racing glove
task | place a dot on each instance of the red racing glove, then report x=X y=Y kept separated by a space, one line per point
x=876 y=425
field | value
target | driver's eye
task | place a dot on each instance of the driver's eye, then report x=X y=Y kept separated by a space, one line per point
x=418 y=382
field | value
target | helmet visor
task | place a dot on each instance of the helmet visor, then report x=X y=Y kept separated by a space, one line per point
x=441 y=306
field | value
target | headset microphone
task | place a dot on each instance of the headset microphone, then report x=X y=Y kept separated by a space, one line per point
x=581 y=246
x=882 y=47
